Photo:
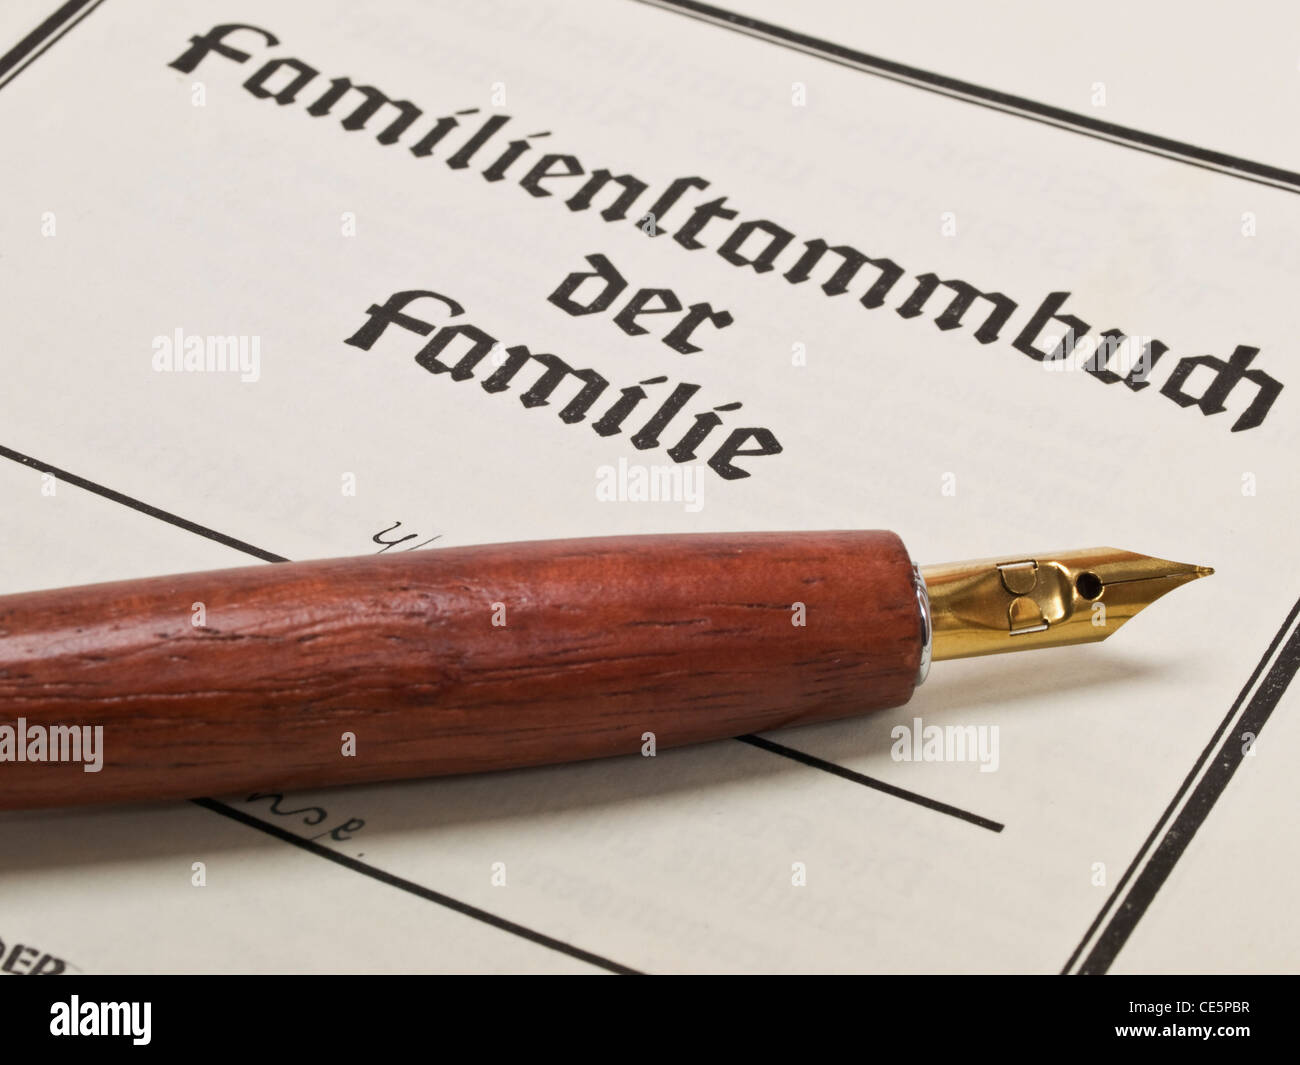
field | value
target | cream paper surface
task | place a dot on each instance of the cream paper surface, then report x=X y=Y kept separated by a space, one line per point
x=230 y=219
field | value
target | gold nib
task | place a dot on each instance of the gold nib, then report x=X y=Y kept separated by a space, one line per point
x=990 y=606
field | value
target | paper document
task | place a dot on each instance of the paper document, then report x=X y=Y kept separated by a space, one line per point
x=284 y=282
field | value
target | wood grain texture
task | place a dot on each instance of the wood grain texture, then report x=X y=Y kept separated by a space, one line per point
x=688 y=637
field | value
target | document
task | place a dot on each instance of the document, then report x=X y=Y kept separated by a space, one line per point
x=285 y=282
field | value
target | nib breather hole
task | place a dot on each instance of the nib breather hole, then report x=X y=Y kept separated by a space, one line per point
x=1088 y=585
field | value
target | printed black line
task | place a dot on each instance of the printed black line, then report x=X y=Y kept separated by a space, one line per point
x=270 y=556
x=870 y=782
x=1177 y=835
x=953 y=88
x=1175 y=841
x=412 y=888
x=1187 y=783
x=143 y=508
x=14 y=56
x=428 y=893
x=275 y=830
x=968 y=92
x=1152 y=867
x=1194 y=813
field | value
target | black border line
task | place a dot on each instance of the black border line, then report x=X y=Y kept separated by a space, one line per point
x=143 y=508
x=1210 y=775
x=389 y=878
x=871 y=782
x=16 y=54
x=968 y=92
x=270 y=556
x=1128 y=909
x=953 y=88
x=412 y=888
x=1212 y=784
x=1182 y=790
x=17 y=58
x=275 y=830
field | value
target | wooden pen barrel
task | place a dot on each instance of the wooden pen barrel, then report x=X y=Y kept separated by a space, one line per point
x=445 y=661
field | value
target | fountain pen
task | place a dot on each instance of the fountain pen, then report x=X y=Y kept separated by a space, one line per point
x=459 y=660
